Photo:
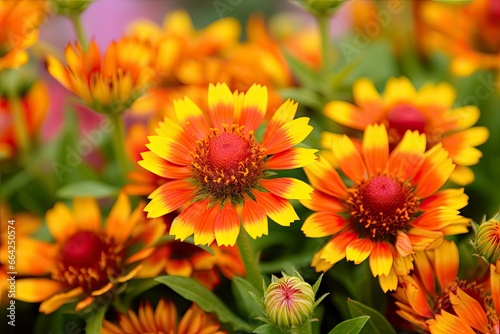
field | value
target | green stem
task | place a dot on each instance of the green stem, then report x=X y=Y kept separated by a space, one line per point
x=326 y=50
x=80 y=31
x=305 y=329
x=21 y=131
x=119 y=144
x=249 y=260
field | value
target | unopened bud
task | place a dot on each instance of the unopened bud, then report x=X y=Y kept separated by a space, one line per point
x=487 y=240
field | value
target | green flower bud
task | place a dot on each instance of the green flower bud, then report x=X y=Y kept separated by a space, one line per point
x=487 y=241
x=70 y=7
x=321 y=7
x=289 y=302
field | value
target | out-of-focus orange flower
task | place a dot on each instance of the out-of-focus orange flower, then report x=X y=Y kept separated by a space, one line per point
x=163 y=320
x=87 y=260
x=452 y=305
x=23 y=224
x=427 y=110
x=470 y=32
x=33 y=105
x=389 y=208
x=19 y=22
x=107 y=84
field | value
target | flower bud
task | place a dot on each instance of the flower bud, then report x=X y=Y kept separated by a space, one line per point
x=321 y=7
x=289 y=301
x=71 y=7
x=487 y=240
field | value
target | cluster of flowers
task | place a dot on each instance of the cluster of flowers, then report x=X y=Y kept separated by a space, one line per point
x=221 y=148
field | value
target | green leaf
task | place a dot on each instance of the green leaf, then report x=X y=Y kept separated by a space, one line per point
x=86 y=189
x=267 y=329
x=197 y=293
x=304 y=96
x=242 y=290
x=94 y=323
x=351 y=326
x=317 y=284
x=377 y=324
x=306 y=75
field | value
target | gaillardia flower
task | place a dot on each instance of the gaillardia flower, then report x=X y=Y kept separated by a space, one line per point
x=487 y=241
x=388 y=209
x=163 y=320
x=428 y=111
x=108 y=84
x=19 y=22
x=217 y=168
x=452 y=305
x=87 y=261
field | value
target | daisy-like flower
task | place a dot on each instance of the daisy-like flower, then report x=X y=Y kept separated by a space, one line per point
x=427 y=110
x=388 y=209
x=218 y=169
x=87 y=260
x=33 y=104
x=19 y=22
x=107 y=84
x=435 y=301
x=163 y=320
x=469 y=33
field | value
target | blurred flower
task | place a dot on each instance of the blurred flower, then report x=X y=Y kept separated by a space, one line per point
x=187 y=260
x=87 y=261
x=289 y=301
x=469 y=32
x=109 y=84
x=19 y=22
x=487 y=241
x=428 y=111
x=388 y=210
x=33 y=103
x=453 y=305
x=24 y=225
x=217 y=168
x=163 y=320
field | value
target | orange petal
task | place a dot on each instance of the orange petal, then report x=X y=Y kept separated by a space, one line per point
x=359 y=250
x=446 y=261
x=388 y=282
x=283 y=115
x=171 y=149
x=84 y=303
x=163 y=168
x=446 y=323
x=322 y=202
x=399 y=90
x=435 y=170
x=287 y=136
x=349 y=159
x=277 y=208
x=437 y=219
x=375 y=149
x=322 y=170
x=184 y=224
x=35 y=290
x=169 y=197
x=381 y=259
x=460 y=145
x=403 y=244
x=254 y=107
x=322 y=224
x=335 y=249
x=292 y=158
x=349 y=115
x=87 y=214
x=407 y=156
x=416 y=297
x=179 y=267
x=495 y=286
x=425 y=272
x=422 y=239
x=227 y=225
x=59 y=72
x=287 y=187
x=450 y=198
x=118 y=217
x=367 y=97
x=61 y=222
x=53 y=303
x=470 y=310
x=204 y=233
x=254 y=219
x=191 y=118
x=220 y=105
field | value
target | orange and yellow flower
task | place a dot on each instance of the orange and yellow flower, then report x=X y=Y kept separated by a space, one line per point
x=110 y=83
x=452 y=305
x=469 y=33
x=427 y=110
x=217 y=168
x=388 y=209
x=163 y=320
x=87 y=260
x=19 y=22
x=33 y=105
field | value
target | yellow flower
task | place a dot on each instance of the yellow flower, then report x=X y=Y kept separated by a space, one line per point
x=19 y=22
x=87 y=260
x=163 y=320
x=109 y=84
x=427 y=110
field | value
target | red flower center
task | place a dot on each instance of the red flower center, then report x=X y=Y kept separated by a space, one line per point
x=381 y=206
x=88 y=260
x=227 y=163
x=405 y=117
x=82 y=249
x=227 y=150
